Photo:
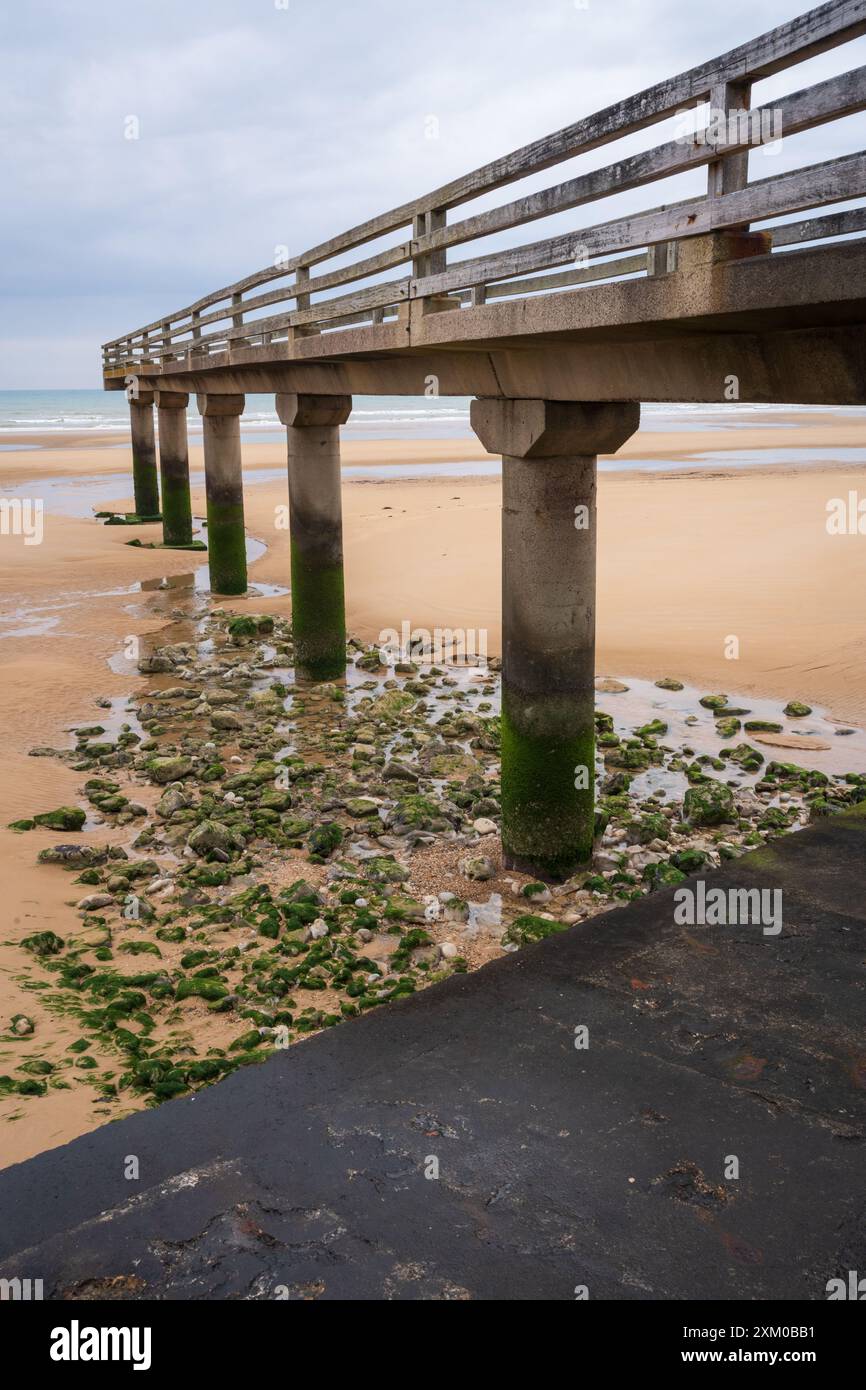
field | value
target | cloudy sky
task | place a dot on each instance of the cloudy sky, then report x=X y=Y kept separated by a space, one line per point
x=270 y=122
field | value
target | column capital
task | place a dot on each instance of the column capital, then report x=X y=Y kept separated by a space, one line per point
x=142 y=395
x=307 y=411
x=171 y=400
x=553 y=429
x=212 y=404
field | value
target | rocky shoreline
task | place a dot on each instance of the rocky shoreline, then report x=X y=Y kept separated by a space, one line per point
x=274 y=859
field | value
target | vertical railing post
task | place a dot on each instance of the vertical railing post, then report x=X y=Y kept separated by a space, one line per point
x=729 y=172
x=431 y=262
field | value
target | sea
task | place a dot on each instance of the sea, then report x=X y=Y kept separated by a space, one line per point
x=96 y=412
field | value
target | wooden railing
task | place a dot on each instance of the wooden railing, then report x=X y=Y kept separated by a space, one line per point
x=731 y=201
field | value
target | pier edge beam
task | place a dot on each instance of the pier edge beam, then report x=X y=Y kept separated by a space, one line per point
x=144 y=479
x=549 y=451
x=316 y=531
x=174 y=468
x=226 y=536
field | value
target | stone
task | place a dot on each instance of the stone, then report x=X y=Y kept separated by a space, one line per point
x=226 y=721
x=74 y=856
x=94 y=901
x=795 y=709
x=316 y=930
x=483 y=826
x=362 y=806
x=668 y=683
x=477 y=867
x=399 y=772
x=174 y=798
x=606 y=685
x=527 y=929
x=64 y=818
x=212 y=836
x=709 y=803
x=164 y=770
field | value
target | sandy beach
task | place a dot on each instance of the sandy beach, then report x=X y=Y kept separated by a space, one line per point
x=687 y=560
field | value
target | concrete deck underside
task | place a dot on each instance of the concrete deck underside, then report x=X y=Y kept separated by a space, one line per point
x=791 y=326
x=558 y=1167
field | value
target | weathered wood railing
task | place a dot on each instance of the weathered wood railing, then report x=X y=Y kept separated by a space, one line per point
x=731 y=201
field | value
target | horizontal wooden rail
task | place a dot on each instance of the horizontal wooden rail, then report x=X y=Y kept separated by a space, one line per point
x=423 y=252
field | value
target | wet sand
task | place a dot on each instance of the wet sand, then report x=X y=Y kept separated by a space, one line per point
x=686 y=560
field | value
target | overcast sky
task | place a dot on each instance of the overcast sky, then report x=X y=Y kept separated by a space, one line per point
x=269 y=122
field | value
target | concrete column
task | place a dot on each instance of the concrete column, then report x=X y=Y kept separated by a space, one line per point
x=174 y=468
x=549 y=453
x=226 y=537
x=316 y=531
x=144 y=456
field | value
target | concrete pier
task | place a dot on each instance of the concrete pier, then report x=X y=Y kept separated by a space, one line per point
x=174 y=468
x=227 y=555
x=144 y=455
x=549 y=453
x=316 y=531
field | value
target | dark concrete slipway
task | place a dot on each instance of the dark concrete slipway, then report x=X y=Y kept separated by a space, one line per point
x=558 y=1167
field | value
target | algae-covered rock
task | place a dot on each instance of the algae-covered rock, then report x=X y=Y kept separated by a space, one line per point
x=795 y=709
x=211 y=990
x=392 y=704
x=225 y=721
x=727 y=727
x=174 y=798
x=212 y=835
x=417 y=812
x=325 y=839
x=478 y=867
x=526 y=929
x=399 y=772
x=43 y=943
x=713 y=701
x=383 y=869
x=668 y=683
x=164 y=770
x=362 y=806
x=650 y=825
x=688 y=861
x=663 y=874
x=73 y=856
x=709 y=803
x=654 y=729
x=745 y=756
x=64 y=818
x=457 y=766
